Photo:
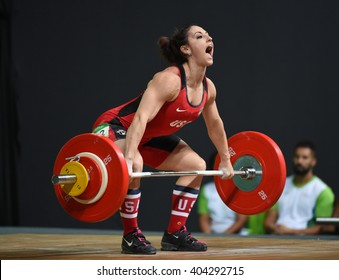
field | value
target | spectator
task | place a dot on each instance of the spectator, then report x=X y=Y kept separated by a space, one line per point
x=305 y=197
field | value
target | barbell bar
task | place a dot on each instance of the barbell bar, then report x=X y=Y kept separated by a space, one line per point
x=247 y=174
x=91 y=178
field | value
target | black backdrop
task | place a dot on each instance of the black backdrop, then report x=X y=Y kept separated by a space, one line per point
x=276 y=71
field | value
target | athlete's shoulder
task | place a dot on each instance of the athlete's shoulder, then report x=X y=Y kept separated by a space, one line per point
x=168 y=74
x=211 y=90
x=168 y=80
x=166 y=83
x=173 y=69
x=210 y=84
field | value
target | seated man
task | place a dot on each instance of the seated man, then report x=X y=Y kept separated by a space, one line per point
x=305 y=197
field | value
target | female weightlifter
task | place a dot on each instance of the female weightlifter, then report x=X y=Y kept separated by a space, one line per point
x=144 y=130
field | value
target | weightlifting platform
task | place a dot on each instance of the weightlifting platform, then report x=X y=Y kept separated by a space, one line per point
x=84 y=244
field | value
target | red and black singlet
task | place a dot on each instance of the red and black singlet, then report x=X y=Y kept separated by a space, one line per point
x=171 y=117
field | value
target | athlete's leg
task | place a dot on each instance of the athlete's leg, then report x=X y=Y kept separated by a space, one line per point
x=130 y=206
x=133 y=241
x=183 y=158
x=180 y=158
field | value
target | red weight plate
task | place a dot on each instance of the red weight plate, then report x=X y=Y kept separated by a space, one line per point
x=266 y=194
x=117 y=172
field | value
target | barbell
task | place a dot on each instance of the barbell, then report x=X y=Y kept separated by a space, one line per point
x=91 y=178
x=245 y=173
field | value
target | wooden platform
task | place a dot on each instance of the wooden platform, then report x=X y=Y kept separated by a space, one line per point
x=79 y=246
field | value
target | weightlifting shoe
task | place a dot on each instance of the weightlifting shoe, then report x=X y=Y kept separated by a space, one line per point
x=181 y=240
x=136 y=243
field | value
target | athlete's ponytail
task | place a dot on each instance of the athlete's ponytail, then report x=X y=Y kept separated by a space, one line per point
x=170 y=46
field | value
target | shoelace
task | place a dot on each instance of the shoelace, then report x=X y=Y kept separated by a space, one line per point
x=189 y=237
x=138 y=234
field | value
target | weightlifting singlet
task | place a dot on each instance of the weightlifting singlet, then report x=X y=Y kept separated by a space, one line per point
x=171 y=117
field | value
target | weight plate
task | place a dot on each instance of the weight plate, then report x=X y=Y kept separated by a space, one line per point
x=258 y=197
x=111 y=157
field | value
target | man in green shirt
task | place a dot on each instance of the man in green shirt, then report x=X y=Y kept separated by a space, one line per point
x=305 y=197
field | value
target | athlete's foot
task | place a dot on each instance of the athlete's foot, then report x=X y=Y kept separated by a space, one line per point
x=181 y=240
x=136 y=243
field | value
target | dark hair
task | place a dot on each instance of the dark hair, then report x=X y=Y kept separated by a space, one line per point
x=170 y=46
x=305 y=144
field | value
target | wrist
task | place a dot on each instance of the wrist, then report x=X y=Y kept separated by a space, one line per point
x=225 y=157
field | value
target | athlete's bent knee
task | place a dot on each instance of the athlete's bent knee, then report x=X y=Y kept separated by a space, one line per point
x=200 y=164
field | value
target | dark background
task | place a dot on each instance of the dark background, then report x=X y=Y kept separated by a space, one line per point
x=64 y=62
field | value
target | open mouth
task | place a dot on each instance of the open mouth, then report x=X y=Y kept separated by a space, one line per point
x=209 y=50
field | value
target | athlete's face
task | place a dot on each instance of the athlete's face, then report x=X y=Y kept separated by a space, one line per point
x=303 y=161
x=200 y=46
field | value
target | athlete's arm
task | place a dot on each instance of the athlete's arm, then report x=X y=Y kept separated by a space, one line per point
x=216 y=131
x=164 y=87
